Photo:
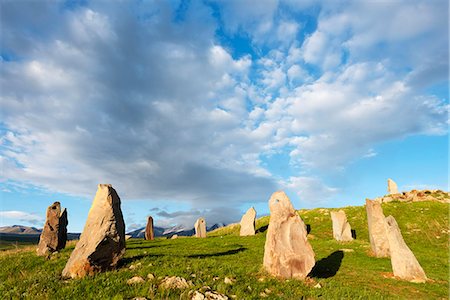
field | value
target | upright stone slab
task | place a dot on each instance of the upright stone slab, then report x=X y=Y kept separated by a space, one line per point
x=200 y=228
x=248 y=222
x=149 y=235
x=404 y=263
x=377 y=230
x=341 y=228
x=54 y=235
x=392 y=187
x=287 y=252
x=102 y=242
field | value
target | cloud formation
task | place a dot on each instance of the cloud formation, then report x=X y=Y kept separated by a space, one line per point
x=22 y=217
x=149 y=98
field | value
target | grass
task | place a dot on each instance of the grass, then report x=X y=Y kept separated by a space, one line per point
x=343 y=270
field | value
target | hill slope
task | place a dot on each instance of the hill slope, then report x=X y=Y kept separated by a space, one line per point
x=343 y=270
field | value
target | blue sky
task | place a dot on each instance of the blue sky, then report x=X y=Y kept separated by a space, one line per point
x=204 y=108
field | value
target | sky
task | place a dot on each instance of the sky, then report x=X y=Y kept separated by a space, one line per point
x=205 y=108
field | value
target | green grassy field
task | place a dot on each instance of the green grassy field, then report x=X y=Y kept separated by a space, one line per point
x=343 y=270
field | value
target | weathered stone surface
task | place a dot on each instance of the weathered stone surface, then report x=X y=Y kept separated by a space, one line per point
x=341 y=228
x=287 y=252
x=102 y=242
x=404 y=263
x=248 y=222
x=200 y=228
x=377 y=230
x=149 y=235
x=175 y=236
x=392 y=187
x=54 y=235
x=175 y=282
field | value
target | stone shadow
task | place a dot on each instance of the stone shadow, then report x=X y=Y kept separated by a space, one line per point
x=229 y=252
x=354 y=234
x=262 y=229
x=128 y=260
x=134 y=246
x=327 y=267
x=308 y=228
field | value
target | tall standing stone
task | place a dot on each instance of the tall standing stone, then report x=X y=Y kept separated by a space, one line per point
x=392 y=187
x=341 y=228
x=287 y=252
x=200 y=228
x=149 y=234
x=102 y=242
x=248 y=222
x=54 y=235
x=404 y=263
x=377 y=230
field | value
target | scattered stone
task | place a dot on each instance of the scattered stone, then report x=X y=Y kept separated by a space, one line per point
x=150 y=276
x=127 y=237
x=197 y=296
x=248 y=223
x=417 y=196
x=263 y=295
x=318 y=286
x=200 y=228
x=404 y=263
x=132 y=267
x=392 y=187
x=341 y=228
x=287 y=252
x=102 y=242
x=267 y=291
x=175 y=236
x=377 y=230
x=174 y=282
x=347 y=250
x=229 y=280
x=135 y=280
x=212 y=295
x=54 y=234
x=149 y=235
x=139 y=298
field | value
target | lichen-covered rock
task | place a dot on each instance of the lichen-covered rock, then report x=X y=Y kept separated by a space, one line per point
x=341 y=228
x=54 y=235
x=377 y=230
x=200 y=228
x=404 y=263
x=248 y=222
x=102 y=242
x=149 y=235
x=287 y=252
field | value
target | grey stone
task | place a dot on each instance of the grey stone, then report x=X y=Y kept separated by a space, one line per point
x=200 y=228
x=54 y=235
x=377 y=230
x=341 y=228
x=248 y=222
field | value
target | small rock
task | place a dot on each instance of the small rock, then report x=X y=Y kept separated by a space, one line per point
x=263 y=295
x=132 y=267
x=229 y=280
x=175 y=236
x=215 y=278
x=347 y=250
x=249 y=288
x=150 y=276
x=174 y=282
x=261 y=279
x=318 y=286
x=139 y=298
x=135 y=279
x=267 y=291
x=211 y=295
x=193 y=275
x=197 y=296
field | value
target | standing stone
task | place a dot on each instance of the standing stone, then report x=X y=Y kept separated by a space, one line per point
x=54 y=235
x=102 y=242
x=248 y=222
x=287 y=252
x=341 y=228
x=404 y=263
x=392 y=187
x=149 y=235
x=200 y=228
x=377 y=230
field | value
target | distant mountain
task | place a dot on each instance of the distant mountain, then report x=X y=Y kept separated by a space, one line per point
x=31 y=234
x=19 y=229
x=168 y=232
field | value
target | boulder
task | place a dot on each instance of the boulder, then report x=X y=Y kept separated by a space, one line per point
x=341 y=228
x=149 y=235
x=287 y=252
x=102 y=242
x=54 y=234
x=377 y=230
x=248 y=222
x=392 y=187
x=200 y=228
x=404 y=263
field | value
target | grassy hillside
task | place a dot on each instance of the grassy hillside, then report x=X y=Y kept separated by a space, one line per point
x=343 y=270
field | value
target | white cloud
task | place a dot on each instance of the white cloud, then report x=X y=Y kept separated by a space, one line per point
x=21 y=216
x=310 y=190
